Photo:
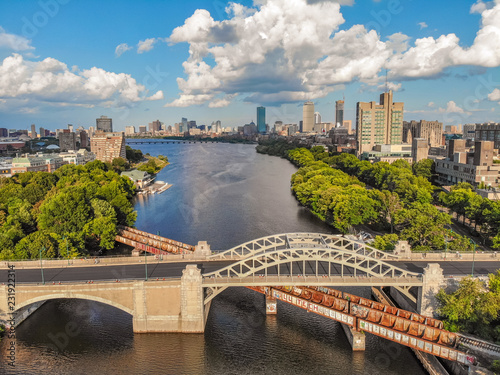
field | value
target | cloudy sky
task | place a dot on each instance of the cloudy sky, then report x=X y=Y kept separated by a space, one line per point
x=70 y=61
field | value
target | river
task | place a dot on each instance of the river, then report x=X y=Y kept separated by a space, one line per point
x=225 y=194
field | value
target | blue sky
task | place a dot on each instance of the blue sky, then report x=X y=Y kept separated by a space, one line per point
x=217 y=60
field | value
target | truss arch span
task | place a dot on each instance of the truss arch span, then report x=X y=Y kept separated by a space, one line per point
x=301 y=240
x=320 y=261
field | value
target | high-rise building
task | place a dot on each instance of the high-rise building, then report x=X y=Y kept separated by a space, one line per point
x=348 y=125
x=317 y=118
x=108 y=146
x=154 y=126
x=191 y=124
x=183 y=126
x=419 y=149
x=261 y=119
x=430 y=130
x=4 y=132
x=379 y=124
x=488 y=132
x=67 y=141
x=130 y=130
x=70 y=127
x=308 y=117
x=339 y=112
x=84 y=139
x=469 y=131
x=104 y=124
x=142 y=129
x=33 y=131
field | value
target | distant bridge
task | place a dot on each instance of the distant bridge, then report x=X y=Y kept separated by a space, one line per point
x=165 y=141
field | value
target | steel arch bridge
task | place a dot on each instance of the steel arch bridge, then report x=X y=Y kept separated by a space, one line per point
x=301 y=240
x=306 y=259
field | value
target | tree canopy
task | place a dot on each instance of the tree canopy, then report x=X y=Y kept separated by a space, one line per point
x=72 y=211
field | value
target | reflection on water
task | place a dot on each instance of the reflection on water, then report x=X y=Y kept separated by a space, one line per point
x=226 y=195
x=86 y=337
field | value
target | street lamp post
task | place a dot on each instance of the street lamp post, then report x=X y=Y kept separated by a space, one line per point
x=473 y=257
x=41 y=264
x=146 y=262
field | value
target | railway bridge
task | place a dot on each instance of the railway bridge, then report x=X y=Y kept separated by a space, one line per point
x=296 y=268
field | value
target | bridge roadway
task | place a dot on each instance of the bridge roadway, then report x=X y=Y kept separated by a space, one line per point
x=174 y=270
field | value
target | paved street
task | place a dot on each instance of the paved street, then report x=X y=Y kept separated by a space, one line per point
x=168 y=270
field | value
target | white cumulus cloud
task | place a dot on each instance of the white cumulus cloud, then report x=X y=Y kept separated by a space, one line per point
x=14 y=42
x=146 y=45
x=51 y=82
x=494 y=95
x=451 y=107
x=121 y=49
x=290 y=50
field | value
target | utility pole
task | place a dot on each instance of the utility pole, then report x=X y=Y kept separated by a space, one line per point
x=41 y=264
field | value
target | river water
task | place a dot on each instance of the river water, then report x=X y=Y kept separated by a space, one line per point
x=224 y=194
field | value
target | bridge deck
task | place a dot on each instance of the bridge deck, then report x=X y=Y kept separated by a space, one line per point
x=312 y=280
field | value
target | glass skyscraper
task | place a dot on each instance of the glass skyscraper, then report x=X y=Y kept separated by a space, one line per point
x=261 y=119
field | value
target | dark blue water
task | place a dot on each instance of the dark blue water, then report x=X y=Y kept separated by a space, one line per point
x=224 y=194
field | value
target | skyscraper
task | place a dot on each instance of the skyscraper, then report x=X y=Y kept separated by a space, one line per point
x=155 y=126
x=339 y=112
x=308 y=117
x=104 y=124
x=261 y=119
x=379 y=124
x=317 y=118
x=33 y=131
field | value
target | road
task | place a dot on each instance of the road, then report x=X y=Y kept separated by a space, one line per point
x=174 y=270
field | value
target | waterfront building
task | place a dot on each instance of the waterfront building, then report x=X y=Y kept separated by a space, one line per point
x=108 y=146
x=308 y=117
x=339 y=112
x=154 y=126
x=474 y=167
x=388 y=153
x=104 y=124
x=129 y=130
x=142 y=129
x=261 y=120
x=379 y=124
x=29 y=164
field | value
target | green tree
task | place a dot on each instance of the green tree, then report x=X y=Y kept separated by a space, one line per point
x=423 y=226
x=424 y=168
x=29 y=247
x=66 y=212
x=387 y=242
x=472 y=308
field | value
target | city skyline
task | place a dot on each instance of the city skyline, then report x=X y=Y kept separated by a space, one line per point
x=57 y=67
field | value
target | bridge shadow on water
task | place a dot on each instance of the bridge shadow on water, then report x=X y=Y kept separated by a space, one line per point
x=86 y=337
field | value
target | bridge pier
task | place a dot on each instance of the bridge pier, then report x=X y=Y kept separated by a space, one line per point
x=271 y=305
x=433 y=280
x=355 y=338
x=192 y=301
